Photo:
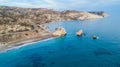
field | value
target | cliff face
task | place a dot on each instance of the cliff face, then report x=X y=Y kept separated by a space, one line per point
x=16 y=21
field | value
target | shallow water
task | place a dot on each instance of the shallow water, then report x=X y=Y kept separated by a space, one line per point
x=70 y=50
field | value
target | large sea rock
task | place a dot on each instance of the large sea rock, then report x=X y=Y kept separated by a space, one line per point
x=59 y=32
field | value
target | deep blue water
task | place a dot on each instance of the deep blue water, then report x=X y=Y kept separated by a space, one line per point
x=70 y=50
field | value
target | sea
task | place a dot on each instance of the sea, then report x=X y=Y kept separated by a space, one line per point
x=71 y=50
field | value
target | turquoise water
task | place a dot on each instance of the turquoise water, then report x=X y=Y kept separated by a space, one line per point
x=70 y=50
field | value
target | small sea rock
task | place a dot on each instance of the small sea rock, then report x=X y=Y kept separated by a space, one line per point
x=95 y=37
x=79 y=33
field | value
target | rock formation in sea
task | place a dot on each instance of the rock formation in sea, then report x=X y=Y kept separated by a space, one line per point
x=59 y=32
x=95 y=37
x=79 y=33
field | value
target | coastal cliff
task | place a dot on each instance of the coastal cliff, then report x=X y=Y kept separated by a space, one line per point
x=18 y=24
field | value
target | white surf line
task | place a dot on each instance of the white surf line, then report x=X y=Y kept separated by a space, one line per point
x=17 y=47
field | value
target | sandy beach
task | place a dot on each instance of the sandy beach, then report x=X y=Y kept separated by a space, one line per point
x=25 y=42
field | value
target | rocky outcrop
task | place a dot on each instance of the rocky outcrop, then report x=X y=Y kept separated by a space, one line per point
x=79 y=33
x=59 y=32
x=95 y=37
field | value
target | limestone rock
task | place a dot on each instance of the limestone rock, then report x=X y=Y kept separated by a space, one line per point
x=95 y=37
x=79 y=33
x=59 y=32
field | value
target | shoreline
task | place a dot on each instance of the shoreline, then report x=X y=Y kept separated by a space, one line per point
x=26 y=43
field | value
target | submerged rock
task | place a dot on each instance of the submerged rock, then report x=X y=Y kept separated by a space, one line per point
x=52 y=62
x=102 y=51
x=59 y=32
x=79 y=33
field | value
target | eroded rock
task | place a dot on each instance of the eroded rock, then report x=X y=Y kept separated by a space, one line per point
x=59 y=32
x=95 y=37
x=79 y=33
